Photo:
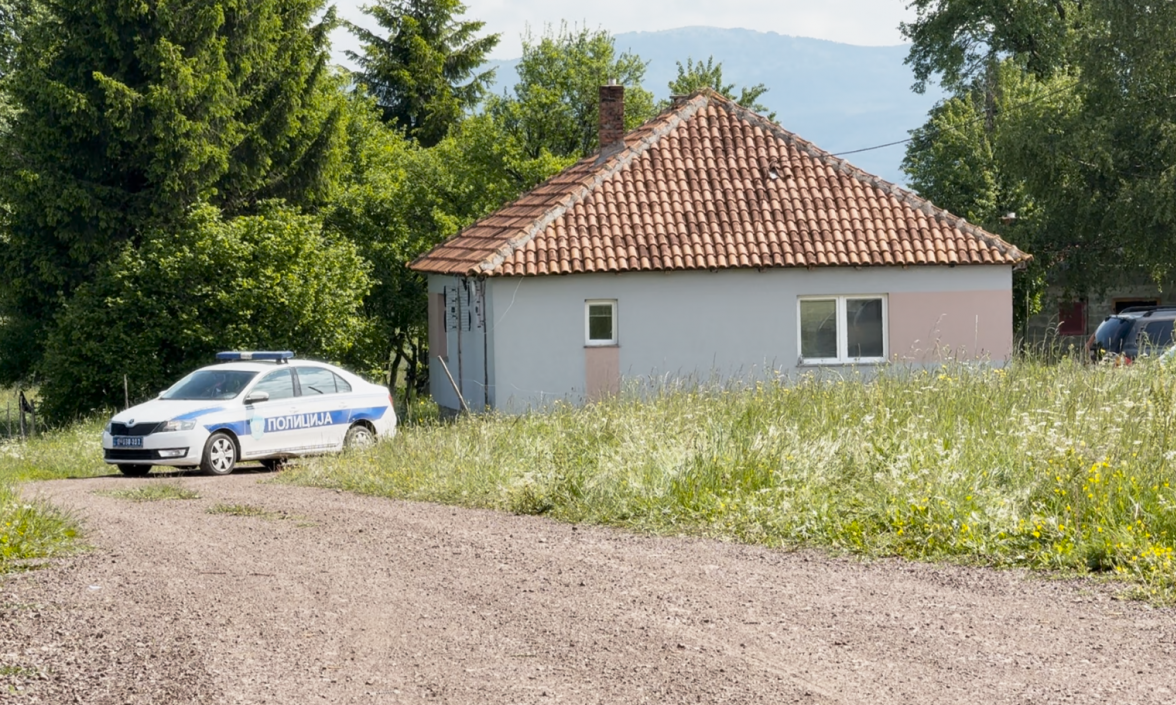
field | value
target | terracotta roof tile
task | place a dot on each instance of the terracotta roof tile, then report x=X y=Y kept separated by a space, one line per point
x=694 y=189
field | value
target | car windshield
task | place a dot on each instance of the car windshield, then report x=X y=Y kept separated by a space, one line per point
x=210 y=384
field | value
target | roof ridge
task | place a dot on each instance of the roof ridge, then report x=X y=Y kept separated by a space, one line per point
x=904 y=196
x=673 y=117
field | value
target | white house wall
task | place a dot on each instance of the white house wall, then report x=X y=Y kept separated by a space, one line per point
x=717 y=325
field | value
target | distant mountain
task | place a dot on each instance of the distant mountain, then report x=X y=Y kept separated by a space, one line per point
x=838 y=96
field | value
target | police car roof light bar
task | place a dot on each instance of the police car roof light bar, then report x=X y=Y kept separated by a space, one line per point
x=243 y=355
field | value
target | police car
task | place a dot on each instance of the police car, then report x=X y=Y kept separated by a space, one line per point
x=263 y=406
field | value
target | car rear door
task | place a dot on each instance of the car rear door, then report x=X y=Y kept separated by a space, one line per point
x=325 y=399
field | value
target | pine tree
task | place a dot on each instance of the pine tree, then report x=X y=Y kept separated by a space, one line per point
x=424 y=73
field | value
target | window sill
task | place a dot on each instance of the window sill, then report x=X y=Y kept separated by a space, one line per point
x=602 y=345
x=863 y=363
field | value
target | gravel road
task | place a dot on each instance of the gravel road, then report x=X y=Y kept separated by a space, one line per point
x=337 y=598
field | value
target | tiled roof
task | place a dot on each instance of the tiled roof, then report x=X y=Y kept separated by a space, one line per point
x=709 y=184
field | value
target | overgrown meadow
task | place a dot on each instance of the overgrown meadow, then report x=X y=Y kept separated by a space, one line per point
x=1062 y=466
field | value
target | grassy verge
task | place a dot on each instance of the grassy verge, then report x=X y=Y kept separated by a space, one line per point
x=1061 y=467
x=32 y=530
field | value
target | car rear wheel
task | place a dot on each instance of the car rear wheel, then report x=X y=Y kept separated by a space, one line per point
x=359 y=437
x=220 y=454
x=133 y=470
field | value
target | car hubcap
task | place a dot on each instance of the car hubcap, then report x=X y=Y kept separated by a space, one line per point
x=362 y=439
x=222 y=454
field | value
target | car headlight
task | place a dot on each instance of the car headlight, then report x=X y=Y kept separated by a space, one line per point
x=177 y=425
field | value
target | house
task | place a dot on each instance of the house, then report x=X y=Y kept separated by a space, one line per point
x=709 y=242
x=1066 y=322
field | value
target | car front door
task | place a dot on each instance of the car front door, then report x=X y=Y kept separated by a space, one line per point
x=272 y=425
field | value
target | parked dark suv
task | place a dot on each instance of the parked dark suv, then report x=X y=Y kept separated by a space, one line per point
x=1140 y=330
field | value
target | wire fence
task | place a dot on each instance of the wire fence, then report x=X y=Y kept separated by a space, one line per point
x=20 y=419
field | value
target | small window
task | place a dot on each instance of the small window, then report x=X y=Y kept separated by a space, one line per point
x=600 y=322
x=278 y=384
x=316 y=380
x=842 y=329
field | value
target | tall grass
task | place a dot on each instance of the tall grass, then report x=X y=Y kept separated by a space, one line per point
x=1060 y=466
x=29 y=529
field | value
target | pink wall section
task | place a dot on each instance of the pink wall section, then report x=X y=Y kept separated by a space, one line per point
x=966 y=325
x=602 y=371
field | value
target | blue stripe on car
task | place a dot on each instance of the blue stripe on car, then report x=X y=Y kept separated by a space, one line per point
x=239 y=428
x=198 y=413
x=299 y=422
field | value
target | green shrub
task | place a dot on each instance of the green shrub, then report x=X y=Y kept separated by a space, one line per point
x=269 y=281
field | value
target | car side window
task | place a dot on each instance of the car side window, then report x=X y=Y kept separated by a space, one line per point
x=279 y=384
x=341 y=384
x=316 y=380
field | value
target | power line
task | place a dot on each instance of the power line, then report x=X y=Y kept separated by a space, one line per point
x=1017 y=106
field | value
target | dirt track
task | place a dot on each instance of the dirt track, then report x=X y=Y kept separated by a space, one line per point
x=336 y=598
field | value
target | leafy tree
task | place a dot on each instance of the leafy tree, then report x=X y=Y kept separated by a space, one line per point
x=424 y=73
x=695 y=76
x=129 y=114
x=1108 y=173
x=13 y=16
x=964 y=160
x=270 y=280
x=1089 y=141
x=399 y=200
x=958 y=40
x=555 y=106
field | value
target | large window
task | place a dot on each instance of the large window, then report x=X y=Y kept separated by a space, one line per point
x=279 y=384
x=600 y=322
x=842 y=329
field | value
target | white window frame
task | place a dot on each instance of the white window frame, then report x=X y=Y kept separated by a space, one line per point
x=588 y=341
x=843 y=357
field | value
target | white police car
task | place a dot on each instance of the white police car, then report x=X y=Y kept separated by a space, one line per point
x=262 y=406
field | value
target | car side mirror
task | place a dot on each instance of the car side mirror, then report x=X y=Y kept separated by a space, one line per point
x=255 y=397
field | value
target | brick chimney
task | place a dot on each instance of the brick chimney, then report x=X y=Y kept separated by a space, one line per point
x=612 y=117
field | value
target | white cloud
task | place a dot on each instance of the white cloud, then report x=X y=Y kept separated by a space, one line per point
x=865 y=22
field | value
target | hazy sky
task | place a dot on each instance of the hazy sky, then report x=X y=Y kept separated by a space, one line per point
x=869 y=22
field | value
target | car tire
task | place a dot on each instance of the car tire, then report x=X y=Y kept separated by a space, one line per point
x=359 y=437
x=220 y=454
x=133 y=470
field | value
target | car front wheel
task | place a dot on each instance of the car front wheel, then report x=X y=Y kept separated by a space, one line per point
x=134 y=470
x=220 y=454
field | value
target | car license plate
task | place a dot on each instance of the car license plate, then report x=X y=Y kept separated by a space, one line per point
x=128 y=442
